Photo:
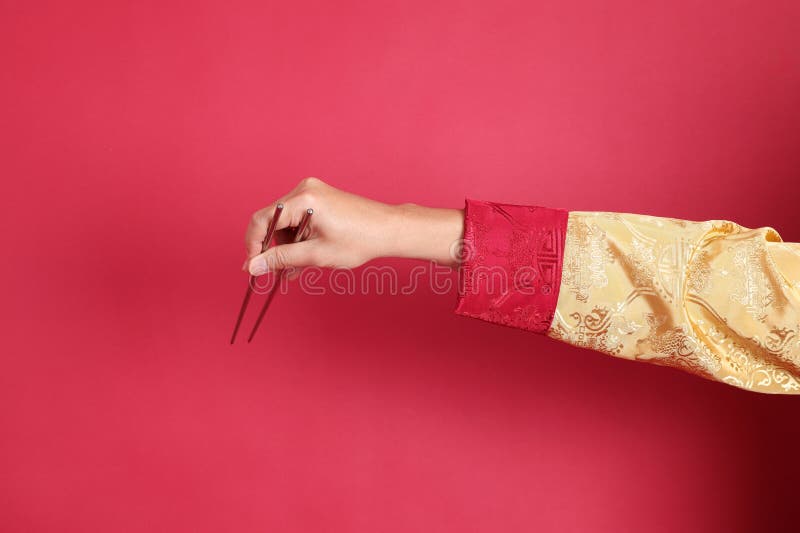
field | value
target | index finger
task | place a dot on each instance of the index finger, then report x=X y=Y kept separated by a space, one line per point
x=261 y=229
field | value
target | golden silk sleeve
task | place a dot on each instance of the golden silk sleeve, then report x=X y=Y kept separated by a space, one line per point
x=713 y=298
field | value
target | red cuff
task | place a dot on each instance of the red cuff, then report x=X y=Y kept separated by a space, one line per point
x=510 y=272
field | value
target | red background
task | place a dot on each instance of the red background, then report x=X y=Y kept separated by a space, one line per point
x=138 y=137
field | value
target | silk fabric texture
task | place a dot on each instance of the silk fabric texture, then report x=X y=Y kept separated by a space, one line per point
x=710 y=297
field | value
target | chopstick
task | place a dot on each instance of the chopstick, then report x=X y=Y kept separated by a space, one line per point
x=264 y=245
x=298 y=236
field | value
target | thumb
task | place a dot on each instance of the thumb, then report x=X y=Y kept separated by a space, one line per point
x=296 y=254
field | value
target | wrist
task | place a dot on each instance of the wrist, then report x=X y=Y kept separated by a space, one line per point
x=427 y=233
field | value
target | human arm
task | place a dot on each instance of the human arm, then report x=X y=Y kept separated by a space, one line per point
x=714 y=298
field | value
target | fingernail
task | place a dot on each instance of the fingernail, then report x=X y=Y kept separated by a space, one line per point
x=258 y=266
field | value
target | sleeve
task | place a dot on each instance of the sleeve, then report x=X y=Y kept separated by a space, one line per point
x=712 y=298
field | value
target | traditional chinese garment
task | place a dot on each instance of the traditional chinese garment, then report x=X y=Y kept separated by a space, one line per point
x=713 y=298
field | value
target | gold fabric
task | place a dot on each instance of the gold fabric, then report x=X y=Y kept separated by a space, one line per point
x=713 y=298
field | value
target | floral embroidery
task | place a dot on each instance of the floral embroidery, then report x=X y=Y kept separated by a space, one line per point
x=674 y=346
x=698 y=274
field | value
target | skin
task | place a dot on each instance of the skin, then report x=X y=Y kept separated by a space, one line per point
x=348 y=230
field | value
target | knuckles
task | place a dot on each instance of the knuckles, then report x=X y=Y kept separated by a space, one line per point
x=280 y=259
x=306 y=198
x=306 y=194
x=309 y=191
x=310 y=181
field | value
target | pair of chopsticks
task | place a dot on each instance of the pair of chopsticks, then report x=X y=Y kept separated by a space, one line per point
x=298 y=236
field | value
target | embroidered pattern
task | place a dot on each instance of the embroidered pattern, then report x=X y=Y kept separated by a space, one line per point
x=669 y=295
x=753 y=288
x=705 y=297
x=512 y=274
x=585 y=266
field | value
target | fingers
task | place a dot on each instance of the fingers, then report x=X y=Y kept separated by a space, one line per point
x=294 y=207
x=283 y=256
x=257 y=227
x=302 y=197
x=259 y=222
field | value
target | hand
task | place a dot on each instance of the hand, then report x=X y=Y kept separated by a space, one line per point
x=347 y=230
